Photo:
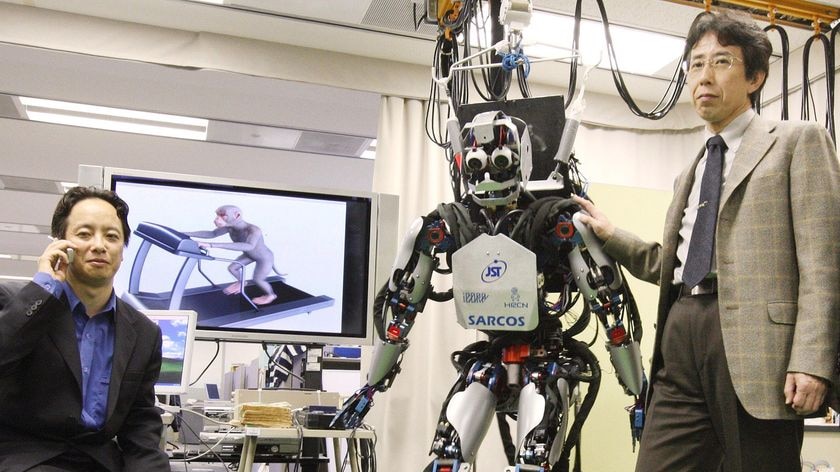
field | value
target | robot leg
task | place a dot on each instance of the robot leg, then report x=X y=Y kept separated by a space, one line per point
x=468 y=418
x=540 y=439
x=565 y=392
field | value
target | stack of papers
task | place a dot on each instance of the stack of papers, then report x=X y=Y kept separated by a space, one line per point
x=267 y=415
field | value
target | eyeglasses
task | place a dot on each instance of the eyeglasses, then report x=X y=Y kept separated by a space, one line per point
x=718 y=64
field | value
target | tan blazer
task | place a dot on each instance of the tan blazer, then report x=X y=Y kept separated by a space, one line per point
x=778 y=260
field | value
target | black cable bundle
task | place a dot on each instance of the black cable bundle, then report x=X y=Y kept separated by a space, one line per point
x=806 y=86
x=669 y=98
x=830 y=69
x=580 y=350
x=783 y=36
x=575 y=46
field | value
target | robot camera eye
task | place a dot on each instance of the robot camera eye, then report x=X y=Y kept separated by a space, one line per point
x=476 y=159
x=502 y=158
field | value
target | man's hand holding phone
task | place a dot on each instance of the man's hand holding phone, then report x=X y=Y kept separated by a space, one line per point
x=56 y=258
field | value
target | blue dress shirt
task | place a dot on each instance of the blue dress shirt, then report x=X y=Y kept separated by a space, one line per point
x=95 y=338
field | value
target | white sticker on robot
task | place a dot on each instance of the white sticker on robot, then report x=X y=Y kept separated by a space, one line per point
x=495 y=285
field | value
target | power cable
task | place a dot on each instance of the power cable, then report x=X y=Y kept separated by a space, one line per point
x=218 y=346
x=806 y=85
x=783 y=36
x=669 y=98
x=831 y=67
x=496 y=81
x=447 y=53
x=570 y=95
x=478 y=22
x=500 y=78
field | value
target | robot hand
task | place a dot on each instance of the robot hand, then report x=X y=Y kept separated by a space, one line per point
x=385 y=365
x=355 y=408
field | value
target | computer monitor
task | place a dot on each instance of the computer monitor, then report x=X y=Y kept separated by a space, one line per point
x=332 y=251
x=178 y=332
x=212 y=391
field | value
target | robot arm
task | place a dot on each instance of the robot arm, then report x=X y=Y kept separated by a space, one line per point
x=408 y=290
x=402 y=299
x=599 y=280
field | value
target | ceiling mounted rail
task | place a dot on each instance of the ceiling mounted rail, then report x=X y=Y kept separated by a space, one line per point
x=796 y=13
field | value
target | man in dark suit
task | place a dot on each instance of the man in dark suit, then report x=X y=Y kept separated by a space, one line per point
x=77 y=365
x=746 y=340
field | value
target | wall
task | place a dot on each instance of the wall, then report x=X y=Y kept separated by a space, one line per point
x=822 y=446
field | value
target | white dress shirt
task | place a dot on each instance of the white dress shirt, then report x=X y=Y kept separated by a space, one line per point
x=732 y=136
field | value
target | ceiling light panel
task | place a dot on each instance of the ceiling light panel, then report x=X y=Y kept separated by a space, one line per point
x=114 y=119
x=30 y=184
x=332 y=144
x=229 y=132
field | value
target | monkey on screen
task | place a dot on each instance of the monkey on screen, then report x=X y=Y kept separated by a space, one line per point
x=247 y=238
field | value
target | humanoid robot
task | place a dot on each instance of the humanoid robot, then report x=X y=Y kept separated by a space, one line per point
x=519 y=263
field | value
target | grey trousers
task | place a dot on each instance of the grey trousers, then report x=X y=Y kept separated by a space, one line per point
x=695 y=421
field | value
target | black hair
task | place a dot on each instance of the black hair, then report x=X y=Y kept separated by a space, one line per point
x=732 y=30
x=58 y=228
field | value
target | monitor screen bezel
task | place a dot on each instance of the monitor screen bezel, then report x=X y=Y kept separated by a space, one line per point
x=382 y=231
x=184 y=384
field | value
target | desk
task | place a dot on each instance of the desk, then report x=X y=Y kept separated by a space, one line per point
x=252 y=435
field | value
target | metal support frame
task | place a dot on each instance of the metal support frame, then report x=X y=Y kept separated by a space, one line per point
x=797 y=13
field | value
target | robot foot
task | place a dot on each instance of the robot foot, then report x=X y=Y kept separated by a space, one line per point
x=231 y=289
x=265 y=299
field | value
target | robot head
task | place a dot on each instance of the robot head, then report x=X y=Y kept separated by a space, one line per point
x=496 y=158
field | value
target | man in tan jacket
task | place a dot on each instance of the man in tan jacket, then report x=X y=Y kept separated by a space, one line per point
x=745 y=345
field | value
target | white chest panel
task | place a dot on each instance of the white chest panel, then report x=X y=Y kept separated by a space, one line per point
x=495 y=285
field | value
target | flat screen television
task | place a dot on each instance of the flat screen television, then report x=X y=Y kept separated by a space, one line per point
x=331 y=251
x=178 y=334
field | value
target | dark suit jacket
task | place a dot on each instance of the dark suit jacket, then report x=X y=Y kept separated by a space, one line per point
x=40 y=386
x=778 y=261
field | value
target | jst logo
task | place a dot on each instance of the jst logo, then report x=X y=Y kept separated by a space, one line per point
x=494 y=271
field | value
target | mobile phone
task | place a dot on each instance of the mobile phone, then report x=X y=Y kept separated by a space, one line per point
x=70 y=255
